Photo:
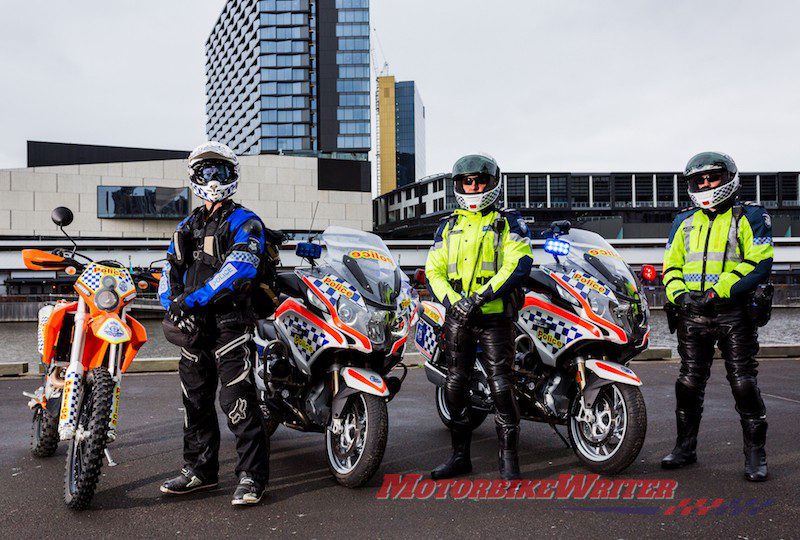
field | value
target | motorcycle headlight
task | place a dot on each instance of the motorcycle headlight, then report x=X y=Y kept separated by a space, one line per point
x=106 y=299
x=376 y=328
x=347 y=310
x=314 y=300
x=621 y=309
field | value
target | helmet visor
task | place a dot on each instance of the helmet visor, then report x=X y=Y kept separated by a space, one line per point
x=707 y=180
x=209 y=171
x=474 y=183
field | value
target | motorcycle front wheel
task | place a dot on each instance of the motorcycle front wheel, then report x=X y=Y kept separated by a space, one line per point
x=355 y=454
x=608 y=437
x=86 y=449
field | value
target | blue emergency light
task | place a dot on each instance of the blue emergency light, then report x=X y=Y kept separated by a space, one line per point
x=556 y=247
x=308 y=250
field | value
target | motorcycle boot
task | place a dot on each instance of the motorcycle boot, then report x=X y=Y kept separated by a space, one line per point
x=186 y=482
x=684 y=452
x=459 y=463
x=508 y=438
x=755 y=457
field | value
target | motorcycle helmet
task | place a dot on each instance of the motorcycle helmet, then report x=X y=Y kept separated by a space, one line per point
x=487 y=169
x=213 y=171
x=714 y=166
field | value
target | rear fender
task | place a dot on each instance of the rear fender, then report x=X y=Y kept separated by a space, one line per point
x=603 y=373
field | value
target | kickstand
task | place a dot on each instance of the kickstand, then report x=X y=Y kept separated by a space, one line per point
x=111 y=462
x=560 y=436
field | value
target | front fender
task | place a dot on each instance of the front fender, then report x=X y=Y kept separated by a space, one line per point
x=364 y=380
x=603 y=373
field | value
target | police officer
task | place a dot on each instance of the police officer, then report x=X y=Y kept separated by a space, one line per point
x=479 y=258
x=212 y=260
x=717 y=254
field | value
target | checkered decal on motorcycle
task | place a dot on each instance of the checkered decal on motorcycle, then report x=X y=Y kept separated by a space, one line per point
x=425 y=339
x=584 y=286
x=331 y=294
x=44 y=316
x=308 y=339
x=69 y=404
x=92 y=277
x=549 y=330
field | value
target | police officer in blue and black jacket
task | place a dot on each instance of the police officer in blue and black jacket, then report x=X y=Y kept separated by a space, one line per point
x=213 y=260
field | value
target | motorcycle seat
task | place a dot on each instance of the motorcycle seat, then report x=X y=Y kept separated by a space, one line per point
x=266 y=330
x=289 y=284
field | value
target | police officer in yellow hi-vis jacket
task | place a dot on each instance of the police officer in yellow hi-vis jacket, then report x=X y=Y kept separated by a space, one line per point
x=479 y=258
x=717 y=255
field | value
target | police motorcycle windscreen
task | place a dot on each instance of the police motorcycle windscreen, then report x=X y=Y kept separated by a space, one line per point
x=583 y=319
x=338 y=335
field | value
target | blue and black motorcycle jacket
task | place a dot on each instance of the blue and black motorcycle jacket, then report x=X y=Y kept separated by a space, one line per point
x=218 y=260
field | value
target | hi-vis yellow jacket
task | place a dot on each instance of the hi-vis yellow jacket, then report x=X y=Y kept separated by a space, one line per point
x=730 y=252
x=488 y=253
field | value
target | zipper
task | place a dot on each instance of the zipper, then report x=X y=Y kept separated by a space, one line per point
x=705 y=253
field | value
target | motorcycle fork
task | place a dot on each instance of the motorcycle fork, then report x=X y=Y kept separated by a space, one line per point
x=70 y=400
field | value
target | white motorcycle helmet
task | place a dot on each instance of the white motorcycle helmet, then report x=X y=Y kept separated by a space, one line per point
x=213 y=171
x=487 y=170
x=711 y=166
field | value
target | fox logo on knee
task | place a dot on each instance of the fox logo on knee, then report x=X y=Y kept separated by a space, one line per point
x=239 y=411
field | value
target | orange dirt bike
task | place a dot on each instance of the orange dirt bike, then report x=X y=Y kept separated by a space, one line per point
x=86 y=346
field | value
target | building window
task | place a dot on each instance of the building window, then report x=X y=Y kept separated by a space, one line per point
x=664 y=190
x=748 y=189
x=516 y=191
x=142 y=202
x=579 y=188
x=537 y=191
x=644 y=190
x=623 y=192
x=558 y=192
x=601 y=191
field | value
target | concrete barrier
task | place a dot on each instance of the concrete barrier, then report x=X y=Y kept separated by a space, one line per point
x=14 y=369
x=654 y=353
x=153 y=365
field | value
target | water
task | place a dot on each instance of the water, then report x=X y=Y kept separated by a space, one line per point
x=19 y=338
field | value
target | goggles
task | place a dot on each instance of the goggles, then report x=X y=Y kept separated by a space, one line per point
x=209 y=171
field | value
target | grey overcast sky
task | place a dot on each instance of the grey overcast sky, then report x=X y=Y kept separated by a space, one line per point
x=541 y=85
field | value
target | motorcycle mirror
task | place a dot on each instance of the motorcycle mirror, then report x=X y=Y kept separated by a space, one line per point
x=559 y=227
x=62 y=216
x=419 y=277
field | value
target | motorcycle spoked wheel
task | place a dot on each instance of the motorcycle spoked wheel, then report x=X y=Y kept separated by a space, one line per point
x=610 y=443
x=44 y=433
x=355 y=455
x=86 y=449
x=476 y=416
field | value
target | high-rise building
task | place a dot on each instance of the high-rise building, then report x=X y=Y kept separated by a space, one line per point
x=401 y=134
x=290 y=76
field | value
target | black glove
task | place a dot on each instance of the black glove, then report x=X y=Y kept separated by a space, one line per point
x=179 y=313
x=692 y=303
x=463 y=310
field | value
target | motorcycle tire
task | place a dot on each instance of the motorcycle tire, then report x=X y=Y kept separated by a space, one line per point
x=631 y=405
x=44 y=433
x=375 y=430
x=85 y=457
x=476 y=416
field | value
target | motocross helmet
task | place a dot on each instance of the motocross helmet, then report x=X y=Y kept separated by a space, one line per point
x=487 y=170
x=213 y=171
x=711 y=166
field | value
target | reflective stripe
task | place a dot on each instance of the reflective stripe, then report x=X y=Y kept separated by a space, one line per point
x=717 y=256
x=488 y=266
x=452 y=268
x=731 y=248
x=760 y=240
x=437 y=245
x=517 y=238
x=687 y=234
x=176 y=244
x=697 y=278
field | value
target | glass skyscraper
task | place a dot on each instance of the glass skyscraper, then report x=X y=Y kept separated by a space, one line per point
x=290 y=76
x=401 y=134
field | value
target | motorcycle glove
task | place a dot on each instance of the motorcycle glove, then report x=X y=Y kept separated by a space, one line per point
x=463 y=310
x=692 y=303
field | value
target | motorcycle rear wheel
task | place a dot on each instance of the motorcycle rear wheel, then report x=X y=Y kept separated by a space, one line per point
x=355 y=455
x=87 y=447
x=476 y=416
x=614 y=440
x=44 y=433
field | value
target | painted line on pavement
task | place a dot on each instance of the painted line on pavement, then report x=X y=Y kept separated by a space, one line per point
x=781 y=397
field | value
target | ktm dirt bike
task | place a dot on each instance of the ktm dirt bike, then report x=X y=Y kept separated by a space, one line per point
x=582 y=321
x=340 y=329
x=86 y=346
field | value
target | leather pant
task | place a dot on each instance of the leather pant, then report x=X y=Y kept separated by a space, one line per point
x=737 y=337
x=495 y=333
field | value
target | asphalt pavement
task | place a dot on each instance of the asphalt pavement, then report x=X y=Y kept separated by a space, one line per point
x=304 y=501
